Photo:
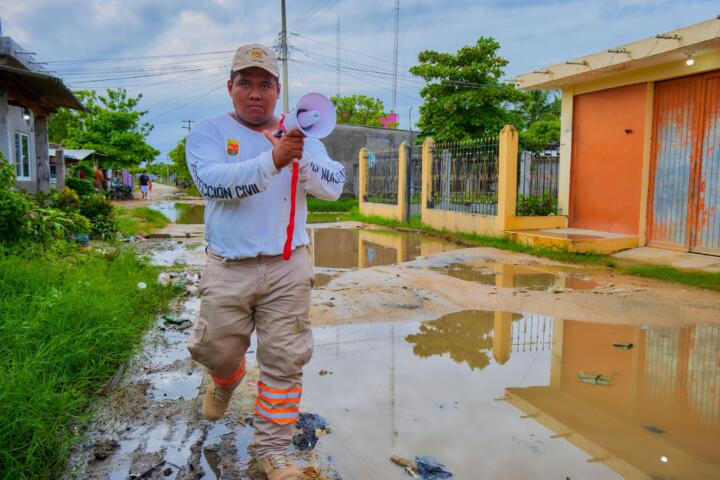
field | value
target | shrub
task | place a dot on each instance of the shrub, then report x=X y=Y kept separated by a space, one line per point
x=83 y=188
x=67 y=200
x=13 y=208
x=104 y=227
x=95 y=206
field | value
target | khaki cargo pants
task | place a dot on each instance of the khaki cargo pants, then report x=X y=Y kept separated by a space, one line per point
x=272 y=296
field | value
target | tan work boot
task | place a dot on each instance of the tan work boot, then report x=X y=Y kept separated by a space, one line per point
x=216 y=402
x=278 y=466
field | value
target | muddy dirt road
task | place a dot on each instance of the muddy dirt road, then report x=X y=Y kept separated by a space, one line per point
x=496 y=364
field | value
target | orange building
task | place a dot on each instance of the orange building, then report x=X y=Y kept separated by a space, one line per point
x=640 y=140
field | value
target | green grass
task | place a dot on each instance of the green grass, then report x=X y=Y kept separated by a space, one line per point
x=707 y=280
x=316 y=205
x=327 y=217
x=133 y=220
x=68 y=321
x=710 y=281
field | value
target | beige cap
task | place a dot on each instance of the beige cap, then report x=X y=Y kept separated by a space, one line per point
x=254 y=55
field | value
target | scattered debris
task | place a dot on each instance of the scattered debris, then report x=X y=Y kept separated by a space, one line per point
x=175 y=320
x=653 y=429
x=325 y=372
x=423 y=467
x=104 y=448
x=147 y=473
x=593 y=379
x=142 y=285
x=623 y=346
x=307 y=427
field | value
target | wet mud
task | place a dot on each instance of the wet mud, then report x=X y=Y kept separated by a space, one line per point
x=475 y=357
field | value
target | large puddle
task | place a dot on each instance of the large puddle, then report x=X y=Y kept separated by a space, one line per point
x=536 y=277
x=499 y=395
x=348 y=249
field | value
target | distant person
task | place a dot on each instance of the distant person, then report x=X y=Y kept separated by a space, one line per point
x=144 y=184
x=244 y=172
x=99 y=178
x=81 y=174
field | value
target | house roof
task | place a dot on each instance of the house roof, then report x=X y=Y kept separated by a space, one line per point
x=72 y=153
x=676 y=45
x=37 y=90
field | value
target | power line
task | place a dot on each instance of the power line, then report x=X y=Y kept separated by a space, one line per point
x=188 y=127
x=395 y=55
x=115 y=59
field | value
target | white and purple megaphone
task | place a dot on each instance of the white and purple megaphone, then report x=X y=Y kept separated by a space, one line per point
x=314 y=115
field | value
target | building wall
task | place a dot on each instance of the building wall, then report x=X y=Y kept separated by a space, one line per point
x=607 y=159
x=345 y=143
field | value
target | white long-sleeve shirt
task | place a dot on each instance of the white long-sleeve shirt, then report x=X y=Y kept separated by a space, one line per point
x=248 y=199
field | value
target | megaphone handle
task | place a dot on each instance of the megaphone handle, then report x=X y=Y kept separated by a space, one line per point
x=287 y=250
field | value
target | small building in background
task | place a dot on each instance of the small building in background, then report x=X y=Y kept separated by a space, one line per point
x=28 y=95
x=640 y=139
x=344 y=143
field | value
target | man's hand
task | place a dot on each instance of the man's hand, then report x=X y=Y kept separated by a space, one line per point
x=286 y=148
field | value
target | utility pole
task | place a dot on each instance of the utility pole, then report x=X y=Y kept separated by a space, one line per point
x=410 y=124
x=188 y=127
x=284 y=58
x=395 y=55
x=338 y=58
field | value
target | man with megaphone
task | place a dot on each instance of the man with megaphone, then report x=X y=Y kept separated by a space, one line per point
x=258 y=275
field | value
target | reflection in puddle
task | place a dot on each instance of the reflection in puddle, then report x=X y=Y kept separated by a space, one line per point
x=515 y=276
x=344 y=248
x=182 y=213
x=432 y=388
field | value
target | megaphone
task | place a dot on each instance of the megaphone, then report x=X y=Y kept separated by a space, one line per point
x=314 y=115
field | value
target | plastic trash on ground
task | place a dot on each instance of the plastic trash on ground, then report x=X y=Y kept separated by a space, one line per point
x=423 y=467
x=308 y=426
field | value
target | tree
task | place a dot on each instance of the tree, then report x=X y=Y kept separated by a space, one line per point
x=112 y=126
x=464 y=96
x=540 y=134
x=177 y=155
x=540 y=105
x=359 y=110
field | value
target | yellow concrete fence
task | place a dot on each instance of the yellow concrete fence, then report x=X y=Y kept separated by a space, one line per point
x=504 y=220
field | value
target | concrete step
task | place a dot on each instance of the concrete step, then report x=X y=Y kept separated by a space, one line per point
x=575 y=240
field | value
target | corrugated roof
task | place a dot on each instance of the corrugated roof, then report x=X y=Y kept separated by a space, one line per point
x=72 y=153
x=45 y=91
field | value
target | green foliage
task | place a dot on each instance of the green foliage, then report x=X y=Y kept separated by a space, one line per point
x=464 y=97
x=67 y=200
x=341 y=205
x=14 y=206
x=82 y=187
x=68 y=321
x=359 y=110
x=95 y=206
x=112 y=126
x=177 y=155
x=537 y=205
x=539 y=134
x=540 y=105
x=8 y=174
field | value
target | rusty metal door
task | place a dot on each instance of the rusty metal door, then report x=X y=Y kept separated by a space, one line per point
x=705 y=236
x=684 y=206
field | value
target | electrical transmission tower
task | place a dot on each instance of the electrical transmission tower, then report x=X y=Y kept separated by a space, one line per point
x=395 y=55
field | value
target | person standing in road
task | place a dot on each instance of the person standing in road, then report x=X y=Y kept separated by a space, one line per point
x=144 y=184
x=242 y=170
x=99 y=178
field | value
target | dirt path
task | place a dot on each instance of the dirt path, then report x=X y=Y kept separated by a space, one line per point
x=149 y=424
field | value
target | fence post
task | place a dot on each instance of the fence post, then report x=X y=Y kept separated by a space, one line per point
x=507 y=177
x=362 y=174
x=402 y=194
x=426 y=192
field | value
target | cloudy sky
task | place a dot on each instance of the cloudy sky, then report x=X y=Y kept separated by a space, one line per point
x=177 y=53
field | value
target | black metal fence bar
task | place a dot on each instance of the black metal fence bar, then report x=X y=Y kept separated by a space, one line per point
x=464 y=177
x=382 y=177
x=414 y=179
x=537 y=186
